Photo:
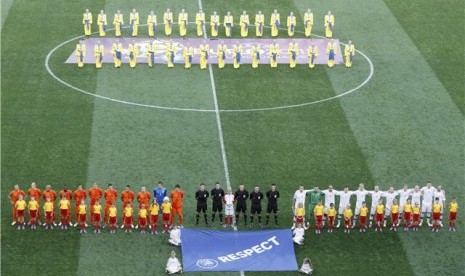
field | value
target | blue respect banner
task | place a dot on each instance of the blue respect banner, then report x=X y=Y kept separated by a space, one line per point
x=264 y=250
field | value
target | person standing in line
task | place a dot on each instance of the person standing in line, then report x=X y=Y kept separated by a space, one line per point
x=272 y=207
x=241 y=196
x=217 y=195
x=201 y=196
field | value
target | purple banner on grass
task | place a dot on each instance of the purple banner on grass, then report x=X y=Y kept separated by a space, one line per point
x=246 y=57
x=210 y=250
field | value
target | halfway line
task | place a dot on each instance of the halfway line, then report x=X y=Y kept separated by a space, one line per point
x=217 y=111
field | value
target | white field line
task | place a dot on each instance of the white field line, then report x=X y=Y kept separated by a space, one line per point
x=218 y=120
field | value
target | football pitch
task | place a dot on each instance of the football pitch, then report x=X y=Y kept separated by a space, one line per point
x=395 y=117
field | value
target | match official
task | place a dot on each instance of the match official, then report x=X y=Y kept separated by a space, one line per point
x=272 y=207
x=201 y=196
x=217 y=195
x=241 y=196
x=256 y=199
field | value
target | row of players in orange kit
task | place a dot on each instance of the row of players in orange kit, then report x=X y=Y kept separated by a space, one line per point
x=147 y=215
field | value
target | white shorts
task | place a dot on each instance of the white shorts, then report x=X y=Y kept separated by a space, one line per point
x=387 y=211
x=228 y=210
x=426 y=208
x=358 y=206
x=326 y=208
x=340 y=211
x=373 y=210
x=401 y=207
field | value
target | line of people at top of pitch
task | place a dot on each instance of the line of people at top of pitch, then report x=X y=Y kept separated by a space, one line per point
x=204 y=52
x=215 y=23
x=416 y=203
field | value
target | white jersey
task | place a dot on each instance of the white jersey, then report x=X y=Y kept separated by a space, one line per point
x=389 y=198
x=228 y=199
x=441 y=195
x=375 y=197
x=344 y=198
x=299 y=197
x=299 y=234
x=403 y=196
x=330 y=197
x=361 y=196
x=175 y=237
x=173 y=265
x=427 y=195
x=416 y=197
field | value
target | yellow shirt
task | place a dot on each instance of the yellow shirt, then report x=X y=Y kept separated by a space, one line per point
x=20 y=204
x=112 y=212
x=64 y=204
x=453 y=206
x=82 y=209
x=143 y=213
x=300 y=212
x=166 y=207
x=154 y=209
x=380 y=209
x=348 y=213
x=48 y=206
x=437 y=208
x=394 y=209
x=408 y=208
x=33 y=205
x=363 y=211
x=97 y=209
x=416 y=210
x=128 y=211
x=331 y=212
x=318 y=211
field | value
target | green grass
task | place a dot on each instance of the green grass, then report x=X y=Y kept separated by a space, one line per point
x=405 y=125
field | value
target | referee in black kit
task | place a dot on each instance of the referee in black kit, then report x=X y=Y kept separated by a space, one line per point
x=201 y=195
x=256 y=198
x=272 y=195
x=217 y=194
x=241 y=196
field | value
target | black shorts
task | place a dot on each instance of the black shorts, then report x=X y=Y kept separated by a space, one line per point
x=241 y=207
x=256 y=209
x=273 y=208
x=201 y=207
x=217 y=207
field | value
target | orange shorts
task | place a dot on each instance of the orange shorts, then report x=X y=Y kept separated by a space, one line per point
x=177 y=211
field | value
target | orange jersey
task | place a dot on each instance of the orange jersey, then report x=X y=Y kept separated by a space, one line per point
x=110 y=196
x=143 y=197
x=15 y=194
x=79 y=195
x=177 y=196
x=51 y=194
x=66 y=194
x=95 y=193
x=127 y=196
x=35 y=192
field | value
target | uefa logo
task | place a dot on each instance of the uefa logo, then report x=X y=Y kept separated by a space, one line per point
x=207 y=263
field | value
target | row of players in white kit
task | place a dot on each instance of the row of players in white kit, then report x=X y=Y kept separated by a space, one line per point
x=423 y=196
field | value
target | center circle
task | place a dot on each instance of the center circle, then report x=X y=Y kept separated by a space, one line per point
x=120 y=101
